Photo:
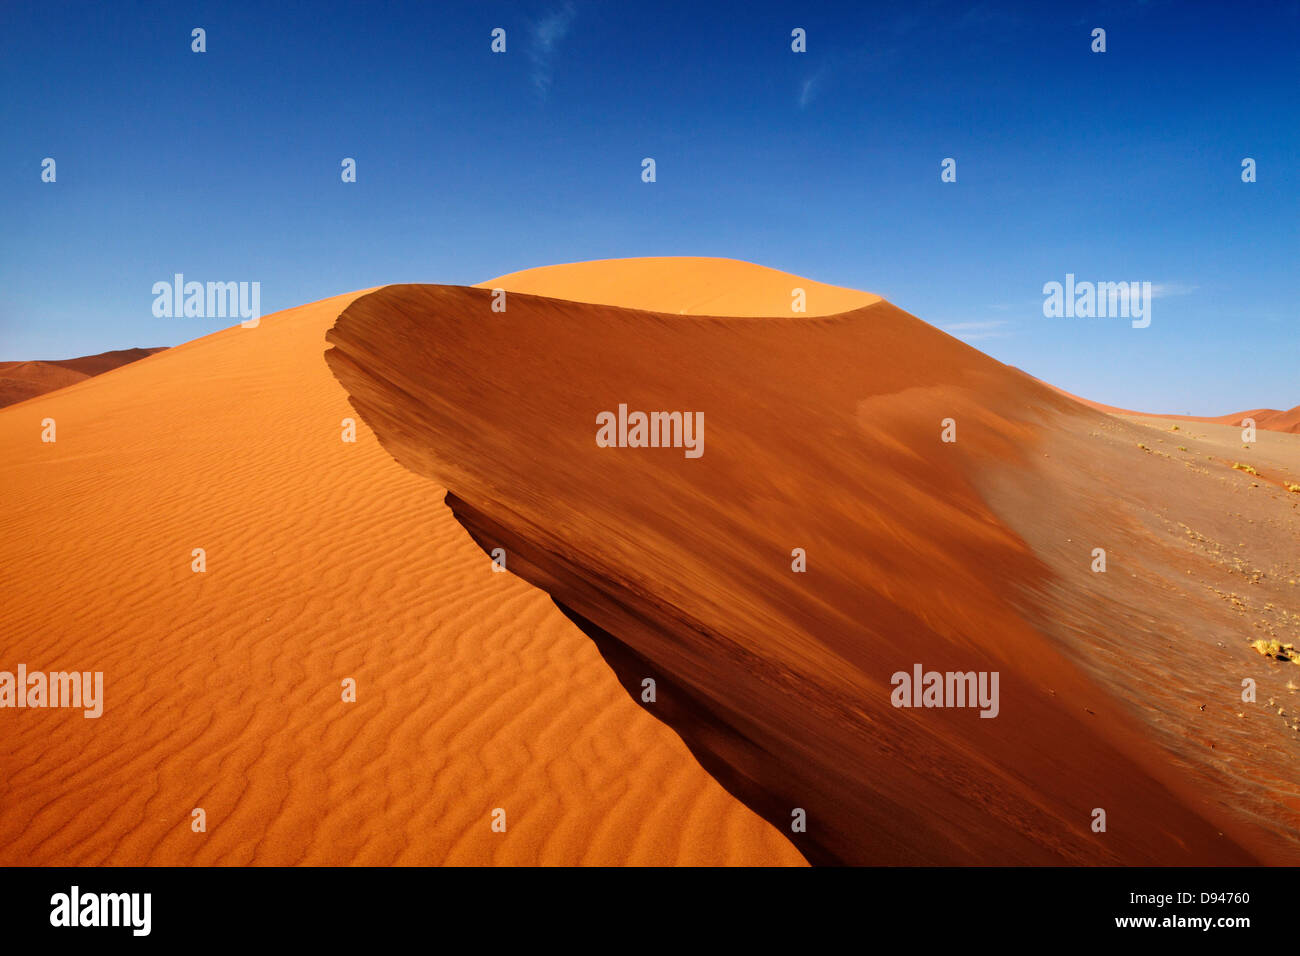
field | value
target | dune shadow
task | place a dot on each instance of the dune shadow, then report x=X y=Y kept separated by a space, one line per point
x=744 y=768
x=696 y=725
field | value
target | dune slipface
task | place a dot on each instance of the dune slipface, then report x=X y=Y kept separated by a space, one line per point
x=821 y=434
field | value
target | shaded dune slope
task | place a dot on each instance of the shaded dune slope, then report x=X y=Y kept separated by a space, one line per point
x=821 y=433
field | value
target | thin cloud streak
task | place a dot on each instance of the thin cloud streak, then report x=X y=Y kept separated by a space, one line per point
x=547 y=34
x=977 y=331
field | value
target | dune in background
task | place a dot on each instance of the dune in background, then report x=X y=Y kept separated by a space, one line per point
x=1269 y=419
x=325 y=560
x=20 y=381
x=1119 y=690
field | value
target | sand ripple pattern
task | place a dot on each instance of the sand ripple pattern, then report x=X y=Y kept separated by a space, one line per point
x=325 y=560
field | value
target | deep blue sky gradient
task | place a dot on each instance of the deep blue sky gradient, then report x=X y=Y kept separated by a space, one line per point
x=1115 y=166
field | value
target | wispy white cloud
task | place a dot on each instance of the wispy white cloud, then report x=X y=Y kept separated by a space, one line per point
x=547 y=34
x=1161 y=290
x=971 y=326
x=974 y=331
x=811 y=84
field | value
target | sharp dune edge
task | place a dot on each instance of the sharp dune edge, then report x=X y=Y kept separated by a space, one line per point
x=328 y=560
x=823 y=433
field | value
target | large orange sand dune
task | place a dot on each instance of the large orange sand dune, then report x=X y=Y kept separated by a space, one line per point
x=329 y=560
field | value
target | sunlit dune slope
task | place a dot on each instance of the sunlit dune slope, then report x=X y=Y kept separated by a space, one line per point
x=685 y=285
x=822 y=434
x=325 y=560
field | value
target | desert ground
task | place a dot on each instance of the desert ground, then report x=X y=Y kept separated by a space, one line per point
x=329 y=560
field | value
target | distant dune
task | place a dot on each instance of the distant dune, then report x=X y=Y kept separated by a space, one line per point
x=20 y=381
x=525 y=691
x=824 y=433
x=1269 y=419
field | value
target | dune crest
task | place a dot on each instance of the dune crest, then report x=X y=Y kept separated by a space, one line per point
x=824 y=434
x=685 y=285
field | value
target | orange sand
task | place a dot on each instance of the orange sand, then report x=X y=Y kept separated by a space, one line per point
x=325 y=560
x=329 y=560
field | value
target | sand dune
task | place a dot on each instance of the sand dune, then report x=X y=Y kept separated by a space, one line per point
x=325 y=560
x=328 y=560
x=20 y=381
x=1268 y=419
x=824 y=434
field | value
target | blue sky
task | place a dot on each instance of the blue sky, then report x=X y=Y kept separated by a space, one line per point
x=1114 y=167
